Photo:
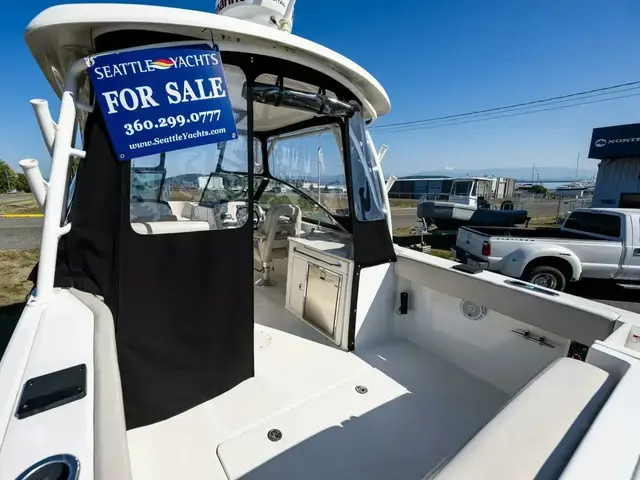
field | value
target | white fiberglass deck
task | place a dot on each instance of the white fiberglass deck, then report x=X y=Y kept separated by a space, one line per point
x=418 y=411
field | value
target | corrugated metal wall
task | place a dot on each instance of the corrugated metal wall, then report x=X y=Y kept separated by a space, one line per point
x=616 y=177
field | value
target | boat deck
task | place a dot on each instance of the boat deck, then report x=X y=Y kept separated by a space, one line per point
x=417 y=411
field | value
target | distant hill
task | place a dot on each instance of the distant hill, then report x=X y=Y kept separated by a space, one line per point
x=524 y=173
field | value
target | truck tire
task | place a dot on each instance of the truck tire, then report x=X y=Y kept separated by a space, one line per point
x=546 y=276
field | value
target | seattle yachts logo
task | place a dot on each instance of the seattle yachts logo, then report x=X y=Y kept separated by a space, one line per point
x=601 y=142
x=134 y=67
x=162 y=64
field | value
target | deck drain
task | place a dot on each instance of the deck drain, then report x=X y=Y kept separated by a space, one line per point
x=361 y=389
x=274 y=435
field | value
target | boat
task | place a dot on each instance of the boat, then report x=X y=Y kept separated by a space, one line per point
x=575 y=189
x=468 y=204
x=165 y=342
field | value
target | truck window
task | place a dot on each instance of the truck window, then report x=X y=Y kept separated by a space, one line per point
x=597 y=223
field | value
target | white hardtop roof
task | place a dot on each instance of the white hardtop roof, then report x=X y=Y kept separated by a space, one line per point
x=459 y=179
x=60 y=35
x=422 y=178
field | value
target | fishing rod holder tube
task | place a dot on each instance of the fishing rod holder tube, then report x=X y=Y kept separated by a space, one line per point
x=319 y=103
x=382 y=152
x=390 y=181
x=47 y=126
x=36 y=183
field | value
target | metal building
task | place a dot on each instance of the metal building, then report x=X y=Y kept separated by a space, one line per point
x=618 y=181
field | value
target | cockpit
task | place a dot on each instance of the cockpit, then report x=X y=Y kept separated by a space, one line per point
x=288 y=176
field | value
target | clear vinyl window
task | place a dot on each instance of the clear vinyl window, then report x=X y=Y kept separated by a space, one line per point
x=367 y=190
x=312 y=163
x=199 y=188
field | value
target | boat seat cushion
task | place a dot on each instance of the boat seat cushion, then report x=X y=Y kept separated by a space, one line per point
x=536 y=433
x=161 y=228
x=150 y=211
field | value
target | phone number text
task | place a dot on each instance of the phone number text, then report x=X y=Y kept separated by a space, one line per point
x=172 y=121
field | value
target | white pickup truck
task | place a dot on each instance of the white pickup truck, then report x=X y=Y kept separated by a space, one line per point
x=601 y=243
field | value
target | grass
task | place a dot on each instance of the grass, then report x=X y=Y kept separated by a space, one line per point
x=402 y=231
x=15 y=266
x=544 y=222
x=442 y=253
x=19 y=205
x=402 y=202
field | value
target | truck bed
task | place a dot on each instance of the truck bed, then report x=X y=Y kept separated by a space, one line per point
x=516 y=232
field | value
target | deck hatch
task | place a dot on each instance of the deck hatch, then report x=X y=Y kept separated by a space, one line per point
x=52 y=390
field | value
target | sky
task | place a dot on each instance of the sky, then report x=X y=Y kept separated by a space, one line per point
x=434 y=58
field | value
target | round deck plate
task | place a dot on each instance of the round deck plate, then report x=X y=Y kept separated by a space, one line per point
x=263 y=339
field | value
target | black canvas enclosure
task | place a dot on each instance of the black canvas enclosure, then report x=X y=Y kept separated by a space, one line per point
x=182 y=305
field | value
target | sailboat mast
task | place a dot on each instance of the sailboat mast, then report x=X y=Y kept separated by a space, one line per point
x=533 y=173
x=577 y=167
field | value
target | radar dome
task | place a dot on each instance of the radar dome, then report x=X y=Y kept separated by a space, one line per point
x=265 y=12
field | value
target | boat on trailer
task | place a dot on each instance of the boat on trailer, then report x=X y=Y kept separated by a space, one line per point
x=209 y=311
x=467 y=203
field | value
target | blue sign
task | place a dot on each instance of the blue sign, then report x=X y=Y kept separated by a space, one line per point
x=161 y=99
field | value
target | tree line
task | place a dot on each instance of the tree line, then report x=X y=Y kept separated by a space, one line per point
x=11 y=180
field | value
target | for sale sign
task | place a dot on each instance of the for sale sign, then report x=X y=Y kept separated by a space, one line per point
x=160 y=99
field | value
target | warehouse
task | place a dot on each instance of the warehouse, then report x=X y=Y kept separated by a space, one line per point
x=618 y=181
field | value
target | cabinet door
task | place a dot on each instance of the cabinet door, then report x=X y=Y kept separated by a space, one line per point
x=322 y=298
x=297 y=284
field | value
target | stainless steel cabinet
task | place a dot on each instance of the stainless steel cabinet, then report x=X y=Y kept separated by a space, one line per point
x=322 y=298
x=319 y=288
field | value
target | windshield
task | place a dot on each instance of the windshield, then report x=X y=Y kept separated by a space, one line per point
x=461 y=188
x=312 y=162
x=271 y=192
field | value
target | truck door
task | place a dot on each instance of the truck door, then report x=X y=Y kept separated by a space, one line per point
x=630 y=267
x=602 y=256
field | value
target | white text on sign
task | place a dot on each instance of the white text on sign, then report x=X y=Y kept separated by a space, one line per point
x=132 y=99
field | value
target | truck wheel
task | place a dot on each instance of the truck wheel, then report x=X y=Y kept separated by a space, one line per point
x=545 y=276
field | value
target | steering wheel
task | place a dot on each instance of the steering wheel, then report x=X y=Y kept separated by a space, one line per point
x=256 y=219
x=258 y=216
